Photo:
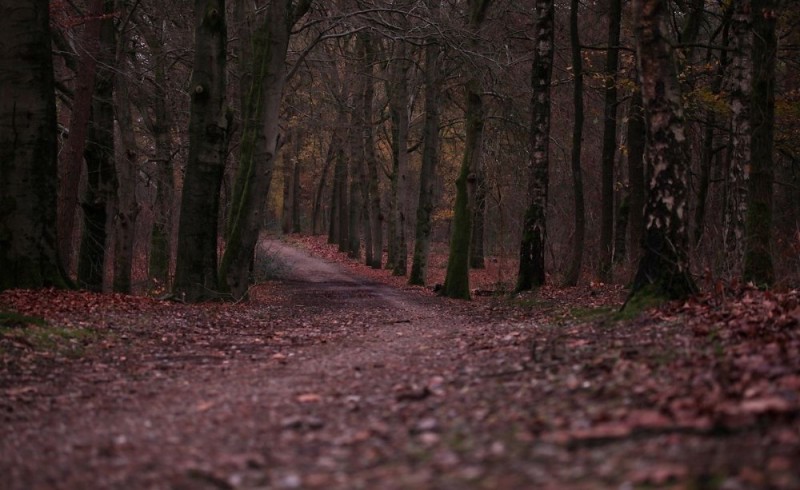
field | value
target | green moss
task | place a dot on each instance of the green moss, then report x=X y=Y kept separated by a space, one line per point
x=592 y=314
x=39 y=336
x=647 y=297
x=10 y=319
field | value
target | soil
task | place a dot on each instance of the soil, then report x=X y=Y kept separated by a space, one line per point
x=327 y=378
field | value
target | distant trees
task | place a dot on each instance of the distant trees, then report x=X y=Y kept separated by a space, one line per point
x=400 y=121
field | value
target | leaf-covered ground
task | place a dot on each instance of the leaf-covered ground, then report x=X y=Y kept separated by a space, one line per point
x=336 y=376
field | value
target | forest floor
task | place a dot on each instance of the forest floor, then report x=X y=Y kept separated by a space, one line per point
x=335 y=376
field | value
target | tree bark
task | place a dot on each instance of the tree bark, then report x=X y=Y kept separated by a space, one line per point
x=260 y=142
x=297 y=171
x=456 y=283
x=163 y=215
x=663 y=271
x=576 y=263
x=127 y=172
x=72 y=162
x=196 y=268
x=636 y=136
x=758 y=266
x=430 y=160
x=99 y=202
x=317 y=211
x=376 y=217
x=534 y=232
x=609 y=150
x=739 y=87
x=398 y=106
x=28 y=254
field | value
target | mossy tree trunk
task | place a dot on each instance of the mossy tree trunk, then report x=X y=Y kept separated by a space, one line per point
x=99 y=201
x=196 y=268
x=663 y=271
x=28 y=254
x=609 y=151
x=260 y=142
x=534 y=232
x=430 y=160
x=456 y=282
x=758 y=266
x=578 y=241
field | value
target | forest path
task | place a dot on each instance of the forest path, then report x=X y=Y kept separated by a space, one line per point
x=326 y=379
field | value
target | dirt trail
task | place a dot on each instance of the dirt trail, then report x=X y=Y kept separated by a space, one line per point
x=327 y=401
x=328 y=380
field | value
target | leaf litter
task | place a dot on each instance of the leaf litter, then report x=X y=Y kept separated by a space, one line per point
x=338 y=376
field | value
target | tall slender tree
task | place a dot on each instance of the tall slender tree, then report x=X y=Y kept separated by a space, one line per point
x=99 y=200
x=758 y=266
x=576 y=261
x=534 y=232
x=456 y=283
x=71 y=165
x=739 y=87
x=609 y=151
x=430 y=160
x=28 y=256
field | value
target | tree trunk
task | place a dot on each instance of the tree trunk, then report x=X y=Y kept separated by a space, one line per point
x=356 y=140
x=636 y=173
x=286 y=201
x=739 y=87
x=196 y=268
x=317 y=211
x=28 y=254
x=620 y=231
x=160 y=249
x=430 y=160
x=609 y=151
x=534 y=232
x=100 y=201
x=72 y=162
x=476 y=248
x=398 y=106
x=127 y=207
x=663 y=271
x=375 y=214
x=297 y=171
x=456 y=283
x=343 y=218
x=758 y=267
x=260 y=142
x=576 y=263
